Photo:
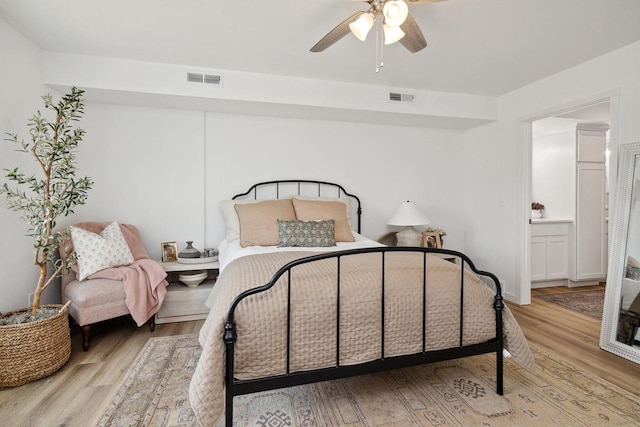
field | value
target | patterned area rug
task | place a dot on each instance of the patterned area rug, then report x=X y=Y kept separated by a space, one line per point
x=585 y=302
x=451 y=393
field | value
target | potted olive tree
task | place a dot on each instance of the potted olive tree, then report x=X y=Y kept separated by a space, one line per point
x=36 y=341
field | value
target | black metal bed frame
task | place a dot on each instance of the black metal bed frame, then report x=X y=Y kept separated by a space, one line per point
x=235 y=387
x=320 y=185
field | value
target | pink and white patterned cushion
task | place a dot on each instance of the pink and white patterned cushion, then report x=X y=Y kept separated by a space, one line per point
x=99 y=251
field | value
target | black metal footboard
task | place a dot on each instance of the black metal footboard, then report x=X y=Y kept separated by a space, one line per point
x=236 y=387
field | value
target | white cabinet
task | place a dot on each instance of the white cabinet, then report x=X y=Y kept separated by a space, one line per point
x=589 y=252
x=557 y=257
x=181 y=302
x=592 y=142
x=549 y=251
x=538 y=258
x=591 y=244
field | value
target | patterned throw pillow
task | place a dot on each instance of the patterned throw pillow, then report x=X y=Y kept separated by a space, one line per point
x=309 y=234
x=99 y=251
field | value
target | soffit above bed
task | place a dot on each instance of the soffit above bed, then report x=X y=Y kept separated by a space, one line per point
x=117 y=81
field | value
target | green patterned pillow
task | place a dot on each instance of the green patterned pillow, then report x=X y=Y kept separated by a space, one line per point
x=309 y=234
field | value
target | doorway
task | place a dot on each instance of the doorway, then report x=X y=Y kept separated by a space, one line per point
x=602 y=110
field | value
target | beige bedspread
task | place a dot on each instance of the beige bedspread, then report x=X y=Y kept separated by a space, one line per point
x=261 y=319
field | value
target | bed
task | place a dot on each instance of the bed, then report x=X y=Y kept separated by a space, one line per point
x=284 y=315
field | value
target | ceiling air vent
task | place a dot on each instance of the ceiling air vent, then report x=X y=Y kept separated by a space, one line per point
x=402 y=97
x=210 y=79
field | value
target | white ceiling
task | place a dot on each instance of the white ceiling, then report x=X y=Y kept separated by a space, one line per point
x=485 y=47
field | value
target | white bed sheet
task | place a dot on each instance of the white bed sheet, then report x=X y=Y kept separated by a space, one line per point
x=229 y=251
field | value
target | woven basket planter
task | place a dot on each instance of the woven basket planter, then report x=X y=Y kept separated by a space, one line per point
x=30 y=351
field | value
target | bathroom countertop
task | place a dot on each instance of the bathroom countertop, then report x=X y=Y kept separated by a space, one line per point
x=549 y=220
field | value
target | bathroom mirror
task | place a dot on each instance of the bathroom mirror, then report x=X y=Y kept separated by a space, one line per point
x=621 y=316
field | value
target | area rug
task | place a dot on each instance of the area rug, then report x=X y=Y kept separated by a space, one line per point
x=586 y=302
x=452 y=393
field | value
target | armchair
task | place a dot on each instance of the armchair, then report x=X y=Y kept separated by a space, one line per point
x=96 y=299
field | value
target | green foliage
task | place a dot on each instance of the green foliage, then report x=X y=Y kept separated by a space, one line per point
x=56 y=190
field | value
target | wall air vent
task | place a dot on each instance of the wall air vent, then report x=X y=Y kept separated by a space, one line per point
x=402 y=97
x=209 y=79
x=212 y=79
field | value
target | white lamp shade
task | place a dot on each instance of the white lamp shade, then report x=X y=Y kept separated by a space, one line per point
x=392 y=34
x=395 y=12
x=409 y=215
x=361 y=26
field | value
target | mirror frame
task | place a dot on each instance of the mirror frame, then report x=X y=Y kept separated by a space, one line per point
x=617 y=254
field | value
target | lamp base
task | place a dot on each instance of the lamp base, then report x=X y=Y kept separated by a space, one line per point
x=409 y=237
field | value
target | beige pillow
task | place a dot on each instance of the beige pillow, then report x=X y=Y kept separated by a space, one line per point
x=230 y=216
x=259 y=221
x=346 y=201
x=314 y=210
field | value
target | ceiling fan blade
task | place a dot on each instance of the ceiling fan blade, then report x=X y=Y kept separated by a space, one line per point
x=336 y=34
x=413 y=39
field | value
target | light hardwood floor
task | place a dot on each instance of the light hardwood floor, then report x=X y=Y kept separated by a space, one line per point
x=78 y=393
x=575 y=338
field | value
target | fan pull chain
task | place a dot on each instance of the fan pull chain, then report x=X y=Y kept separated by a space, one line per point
x=379 y=49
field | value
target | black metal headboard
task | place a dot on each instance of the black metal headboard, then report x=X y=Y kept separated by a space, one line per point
x=323 y=188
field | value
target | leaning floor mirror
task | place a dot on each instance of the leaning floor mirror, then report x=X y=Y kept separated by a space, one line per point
x=621 y=316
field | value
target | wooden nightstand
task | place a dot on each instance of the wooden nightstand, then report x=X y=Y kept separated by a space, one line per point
x=183 y=303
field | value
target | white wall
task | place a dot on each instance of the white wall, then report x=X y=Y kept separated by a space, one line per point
x=20 y=89
x=383 y=165
x=502 y=227
x=148 y=169
x=553 y=174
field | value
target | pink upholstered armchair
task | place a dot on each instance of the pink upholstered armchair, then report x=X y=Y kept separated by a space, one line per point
x=107 y=294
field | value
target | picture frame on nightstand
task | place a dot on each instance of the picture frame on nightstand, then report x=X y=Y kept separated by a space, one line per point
x=431 y=239
x=169 y=251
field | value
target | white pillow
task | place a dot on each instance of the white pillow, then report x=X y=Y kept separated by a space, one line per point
x=99 y=251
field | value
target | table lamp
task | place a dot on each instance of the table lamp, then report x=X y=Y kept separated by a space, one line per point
x=408 y=215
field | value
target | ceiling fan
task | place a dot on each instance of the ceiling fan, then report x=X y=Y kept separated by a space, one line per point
x=398 y=25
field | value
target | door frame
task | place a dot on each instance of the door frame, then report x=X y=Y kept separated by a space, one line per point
x=523 y=234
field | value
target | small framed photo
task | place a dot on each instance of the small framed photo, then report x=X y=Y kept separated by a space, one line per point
x=431 y=239
x=169 y=251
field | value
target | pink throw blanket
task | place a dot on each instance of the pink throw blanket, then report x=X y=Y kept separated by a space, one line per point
x=144 y=285
x=144 y=279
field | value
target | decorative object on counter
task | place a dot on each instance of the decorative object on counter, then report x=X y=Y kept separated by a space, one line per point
x=536 y=209
x=191 y=255
x=189 y=251
x=169 y=251
x=36 y=341
x=441 y=232
x=408 y=215
x=193 y=278
x=210 y=252
x=431 y=239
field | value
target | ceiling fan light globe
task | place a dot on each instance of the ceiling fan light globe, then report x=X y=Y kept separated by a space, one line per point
x=395 y=12
x=392 y=34
x=361 y=26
